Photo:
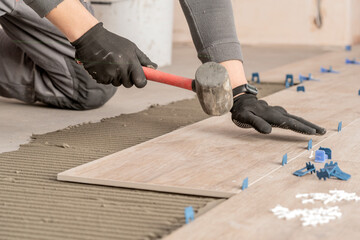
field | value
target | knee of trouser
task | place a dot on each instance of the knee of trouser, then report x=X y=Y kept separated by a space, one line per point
x=90 y=94
x=94 y=97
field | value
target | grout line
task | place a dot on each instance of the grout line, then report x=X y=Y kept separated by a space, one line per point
x=294 y=158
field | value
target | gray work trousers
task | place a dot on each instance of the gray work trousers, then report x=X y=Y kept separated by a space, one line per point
x=37 y=61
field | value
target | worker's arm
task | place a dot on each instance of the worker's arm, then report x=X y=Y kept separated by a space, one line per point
x=109 y=58
x=72 y=19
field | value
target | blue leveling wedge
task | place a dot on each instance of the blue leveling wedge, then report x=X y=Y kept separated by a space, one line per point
x=332 y=170
x=310 y=168
x=335 y=171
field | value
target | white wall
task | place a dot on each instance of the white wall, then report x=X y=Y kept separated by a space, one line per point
x=288 y=22
x=148 y=23
x=354 y=9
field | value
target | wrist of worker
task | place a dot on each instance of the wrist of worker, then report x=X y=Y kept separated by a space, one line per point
x=245 y=89
x=236 y=74
x=238 y=95
x=238 y=85
x=88 y=37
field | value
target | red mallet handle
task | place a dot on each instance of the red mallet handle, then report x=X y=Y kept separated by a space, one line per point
x=167 y=78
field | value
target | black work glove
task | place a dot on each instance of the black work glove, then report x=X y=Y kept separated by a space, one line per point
x=248 y=112
x=111 y=59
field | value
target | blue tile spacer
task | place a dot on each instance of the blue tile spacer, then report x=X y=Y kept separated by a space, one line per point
x=300 y=89
x=284 y=159
x=245 y=184
x=339 y=126
x=256 y=76
x=289 y=78
x=189 y=214
x=309 y=144
x=287 y=84
x=348 y=47
x=330 y=70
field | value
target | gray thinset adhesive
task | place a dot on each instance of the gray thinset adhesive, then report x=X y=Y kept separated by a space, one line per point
x=34 y=205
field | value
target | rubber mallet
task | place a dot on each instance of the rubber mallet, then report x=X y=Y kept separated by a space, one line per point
x=211 y=84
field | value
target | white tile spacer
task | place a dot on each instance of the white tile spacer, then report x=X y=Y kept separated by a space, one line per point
x=311 y=154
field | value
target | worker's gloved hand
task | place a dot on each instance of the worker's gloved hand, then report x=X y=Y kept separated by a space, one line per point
x=111 y=59
x=249 y=112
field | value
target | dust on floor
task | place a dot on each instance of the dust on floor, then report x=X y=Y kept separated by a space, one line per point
x=34 y=205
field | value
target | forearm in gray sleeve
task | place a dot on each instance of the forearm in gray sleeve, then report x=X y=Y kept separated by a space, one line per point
x=42 y=7
x=6 y=6
x=212 y=28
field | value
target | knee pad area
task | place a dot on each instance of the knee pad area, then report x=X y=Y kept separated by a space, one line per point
x=95 y=97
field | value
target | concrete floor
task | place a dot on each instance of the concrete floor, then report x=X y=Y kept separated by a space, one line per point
x=19 y=121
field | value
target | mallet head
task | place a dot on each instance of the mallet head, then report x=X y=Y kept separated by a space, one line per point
x=213 y=88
